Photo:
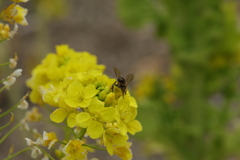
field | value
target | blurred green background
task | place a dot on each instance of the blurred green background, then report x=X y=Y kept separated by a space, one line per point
x=184 y=55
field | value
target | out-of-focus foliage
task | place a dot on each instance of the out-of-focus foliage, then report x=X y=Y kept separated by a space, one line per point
x=193 y=111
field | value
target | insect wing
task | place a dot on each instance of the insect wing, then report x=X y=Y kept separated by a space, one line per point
x=117 y=72
x=129 y=78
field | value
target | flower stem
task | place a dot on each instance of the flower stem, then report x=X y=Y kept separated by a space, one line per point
x=3 y=88
x=10 y=157
x=82 y=132
x=5 y=126
x=3 y=80
x=94 y=147
x=9 y=132
x=4 y=64
x=3 y=114
x=4 y=39
x=62 y=142
x=45 y=153
x=55 y=124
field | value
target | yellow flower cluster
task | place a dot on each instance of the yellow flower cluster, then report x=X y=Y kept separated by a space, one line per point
x=75 y=84
x=55 y=67
x=14 y=14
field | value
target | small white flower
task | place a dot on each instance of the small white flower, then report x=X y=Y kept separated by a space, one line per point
x=24 y=125
x=35 y=152
x=23 y=105
x=17 y=73
x=13 y=61
x=14 y=31
x=30 y=143
x=9 y=81
x=45 y=157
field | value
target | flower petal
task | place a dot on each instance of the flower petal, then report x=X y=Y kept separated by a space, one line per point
x=83 y=119
x=58 y=115
x=134 y=126
x=85 y=103
x=95 y=105
x=71 y=121
x=90 y=91
x=95 y=129
x=107 y=114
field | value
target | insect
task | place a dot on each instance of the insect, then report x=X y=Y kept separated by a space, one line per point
x=122 y=82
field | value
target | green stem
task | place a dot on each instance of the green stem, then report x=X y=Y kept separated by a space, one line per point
x=5 y=113
x=3 y=88
x=90 y=146
x=4 y=39
x=45 y=153
x=4 y=64
x=10 y=157
x=55 y=124
x=82 y=132
x=5 y=126
x=62 y=142
x=9 y=132
x=73 y=132
x=3 y=80
x=47 y=107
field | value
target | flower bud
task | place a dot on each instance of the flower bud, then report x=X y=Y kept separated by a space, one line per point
x=17 y=73
x=102 y=95
x=110 y=98
x=107 y=89
x=13 y=61
x=23 y=105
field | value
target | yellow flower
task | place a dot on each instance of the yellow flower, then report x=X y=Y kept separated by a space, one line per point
x=123 y=152
x=93 y=120
x=33 y=115
x=125 y=114
x=74 y=150
x=60 y=114
x=14 y=13
x=4 y=31
x=51 y=96
x=80 y=96
x=112 y=137
x=49 y=139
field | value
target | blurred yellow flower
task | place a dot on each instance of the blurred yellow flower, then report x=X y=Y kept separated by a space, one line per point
x=18 y=1
x=33 y=115
x=48 y=139
x=4 y=31
x=14 y=14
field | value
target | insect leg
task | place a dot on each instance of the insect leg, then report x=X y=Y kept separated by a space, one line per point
x=112 y=87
